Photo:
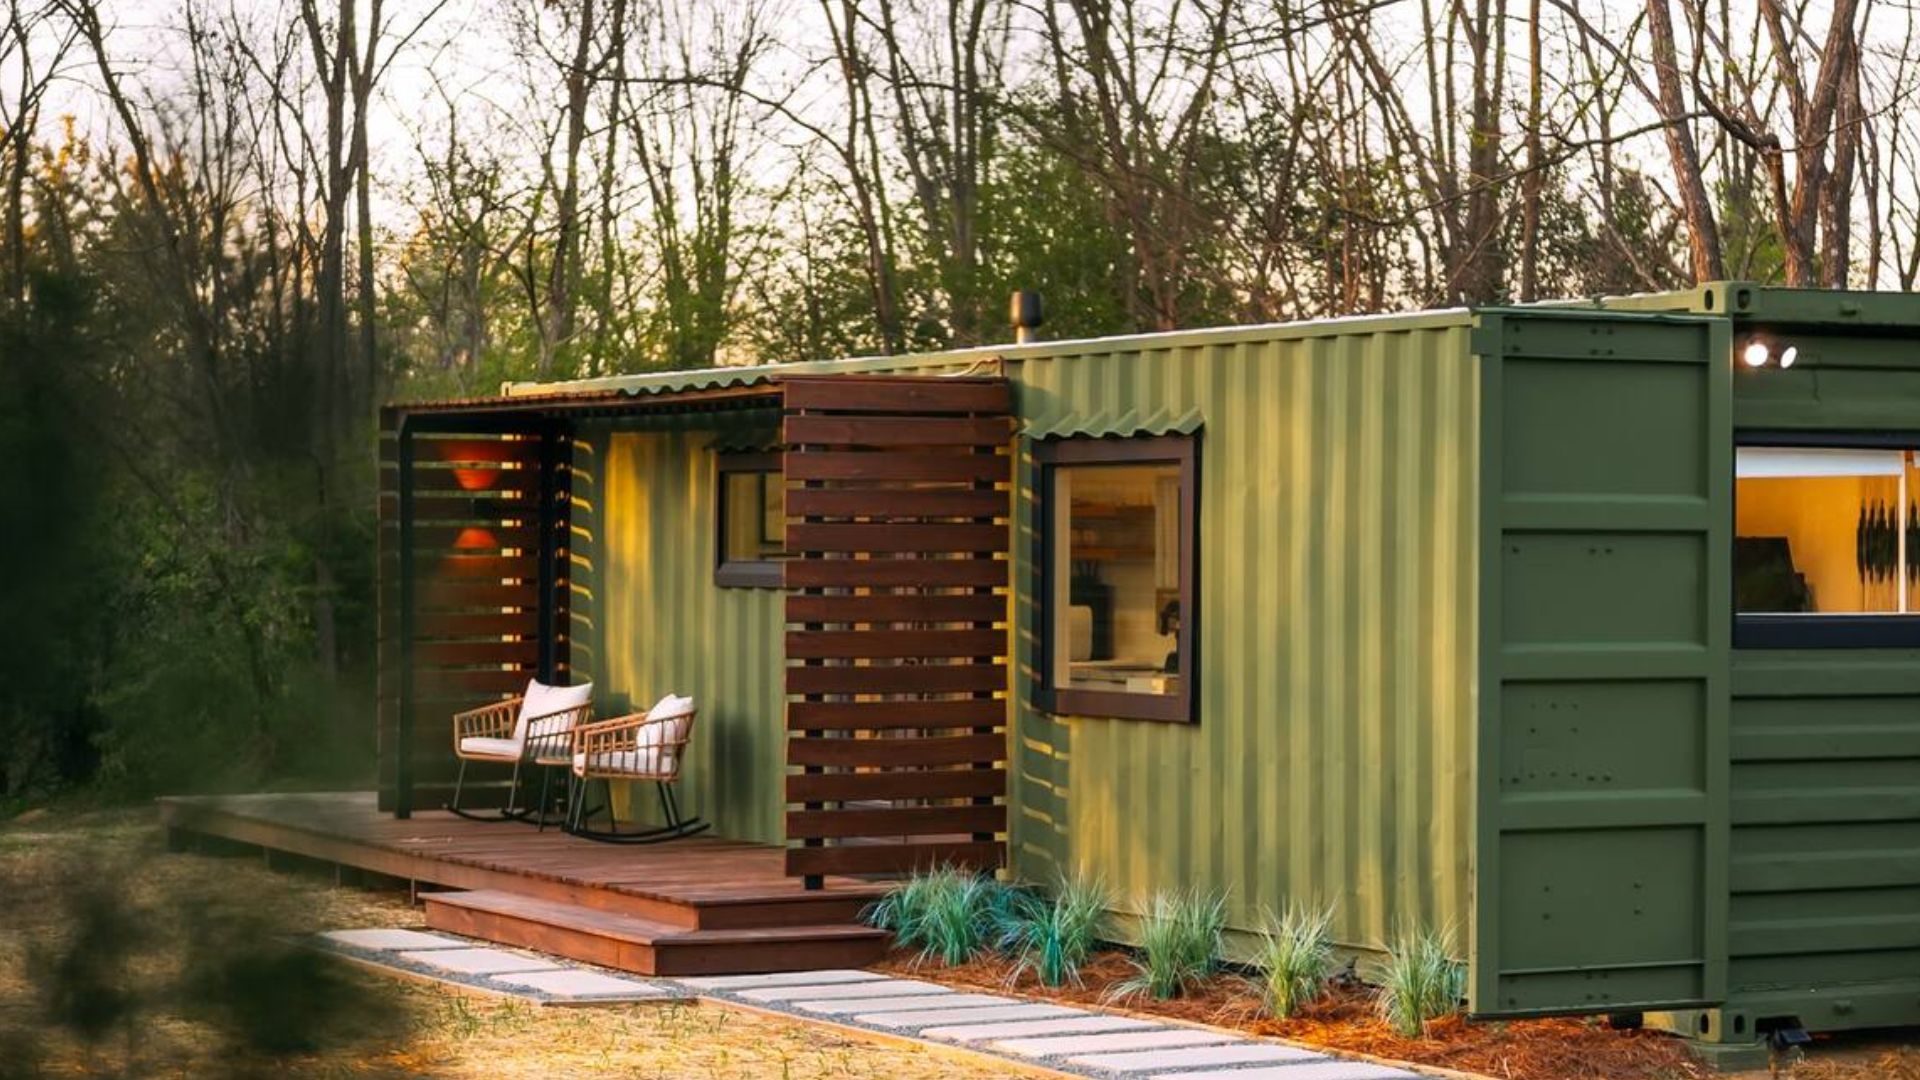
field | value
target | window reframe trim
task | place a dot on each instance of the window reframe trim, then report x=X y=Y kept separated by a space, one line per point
x=741 y=573
x=1182 y=450
x=1790 y=630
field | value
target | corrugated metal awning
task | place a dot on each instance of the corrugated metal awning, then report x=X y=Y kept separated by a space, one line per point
x=1130 y=423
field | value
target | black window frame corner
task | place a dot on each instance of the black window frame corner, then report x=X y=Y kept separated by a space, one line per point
x=1765 y=630
x=1182 y=450
x=742 y=573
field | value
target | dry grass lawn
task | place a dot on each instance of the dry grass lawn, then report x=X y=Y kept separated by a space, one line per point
x=120 y=959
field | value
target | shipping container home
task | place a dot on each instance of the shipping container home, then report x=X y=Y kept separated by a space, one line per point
x=1588 y=631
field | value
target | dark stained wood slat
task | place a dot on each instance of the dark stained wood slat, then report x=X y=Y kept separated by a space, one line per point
x=463 y=508
x=471 y=653
x=462 y=594
x=461 y=539
x=897 y=503
x=890 y=858
x=896 y=784
x=897 y=679
x=935 y=750
x=894 y=644
x=486 y=480
x=895 y=573
x=935 y=395
x=895 y=821
x=898 y=608
x=473 y=450
x=431 y=681
x=882 y=715
x=495 y=567
x=941 y=538
x=896 y=465
x=897 y=431
x=456 y=624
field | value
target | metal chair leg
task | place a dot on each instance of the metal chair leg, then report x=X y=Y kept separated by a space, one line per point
x=458 y=782
x=541 y=807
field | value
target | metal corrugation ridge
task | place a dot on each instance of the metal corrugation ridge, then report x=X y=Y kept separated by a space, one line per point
x=1124 y=424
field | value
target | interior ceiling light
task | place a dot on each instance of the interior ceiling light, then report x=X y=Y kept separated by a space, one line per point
x=1756 y=354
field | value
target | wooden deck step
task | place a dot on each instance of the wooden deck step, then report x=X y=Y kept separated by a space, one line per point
x=648 y=946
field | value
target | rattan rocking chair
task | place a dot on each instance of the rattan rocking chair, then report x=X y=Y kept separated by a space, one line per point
x=647 y=746
x=538 y=723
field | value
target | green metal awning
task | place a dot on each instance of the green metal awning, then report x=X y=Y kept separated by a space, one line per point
x=1124 y=424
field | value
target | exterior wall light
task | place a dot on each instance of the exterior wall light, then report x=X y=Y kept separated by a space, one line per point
x=1756 y=354
x=1789 y=355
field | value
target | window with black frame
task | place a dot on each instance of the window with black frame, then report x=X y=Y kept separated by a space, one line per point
x=1826 y=542
x=752 y=520
x=1118 y=572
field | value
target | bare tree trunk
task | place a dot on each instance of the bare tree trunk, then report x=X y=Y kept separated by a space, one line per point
x=564 y=272
x=1696 y=205
x=1534 y=182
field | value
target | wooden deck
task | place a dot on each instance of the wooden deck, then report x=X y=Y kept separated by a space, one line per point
x=699 y=905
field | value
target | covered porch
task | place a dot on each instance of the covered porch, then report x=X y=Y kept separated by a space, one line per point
x=853 y=708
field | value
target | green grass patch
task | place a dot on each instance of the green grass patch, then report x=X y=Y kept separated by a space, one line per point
x=1420 y=982
x=1052 y=936
x=1295 y=957
x=1179 y=945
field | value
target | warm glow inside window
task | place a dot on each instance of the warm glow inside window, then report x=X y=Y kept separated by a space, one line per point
x=1826 y=531
x=752 y=524
x=1118 y=578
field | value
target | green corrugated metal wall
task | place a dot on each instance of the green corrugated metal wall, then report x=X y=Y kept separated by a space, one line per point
x=1826 y=751
x=661 y=624
x=1332 y=757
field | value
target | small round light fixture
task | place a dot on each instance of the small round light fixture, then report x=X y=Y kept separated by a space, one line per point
x=1789 y=355
x=1756 y=354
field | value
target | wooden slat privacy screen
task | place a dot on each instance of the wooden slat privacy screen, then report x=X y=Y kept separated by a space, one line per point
x=898 y=503
x=488 y=531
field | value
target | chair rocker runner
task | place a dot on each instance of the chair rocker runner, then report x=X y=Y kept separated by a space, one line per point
x=534 y=727
x=639 y=747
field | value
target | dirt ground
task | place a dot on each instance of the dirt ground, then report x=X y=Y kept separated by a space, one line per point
x=119 y=959
x=1517 y=1050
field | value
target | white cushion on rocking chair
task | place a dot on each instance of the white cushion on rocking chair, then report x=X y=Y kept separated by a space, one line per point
x=482 y=746
x=629 y=762
x=543 y=700
x=652 y=756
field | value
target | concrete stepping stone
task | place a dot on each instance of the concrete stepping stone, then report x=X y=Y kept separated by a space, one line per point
x=394 y=940
x=783 y=978
x=1074 y=1045
x=1313 y=1070
x=479 y=961
x=885 y=988
x=1079 y=1024
x=863 y=1006
x=575 y=983
x=980 y=1015
x=1195 y=1056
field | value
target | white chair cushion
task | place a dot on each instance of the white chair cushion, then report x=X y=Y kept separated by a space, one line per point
x=543 y=700
x=632 y=762
x=481 y=746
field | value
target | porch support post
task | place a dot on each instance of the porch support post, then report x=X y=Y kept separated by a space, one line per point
x=403 y=721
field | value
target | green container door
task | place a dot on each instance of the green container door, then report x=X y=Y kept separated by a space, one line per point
x=1600 y=877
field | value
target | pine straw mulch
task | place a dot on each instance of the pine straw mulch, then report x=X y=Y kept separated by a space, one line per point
x=1555 y=1049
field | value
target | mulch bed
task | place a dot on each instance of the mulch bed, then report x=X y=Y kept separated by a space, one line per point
x=1344 y=1020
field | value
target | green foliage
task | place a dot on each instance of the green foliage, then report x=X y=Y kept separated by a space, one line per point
x=1295 y=957
x=1421 y=981
x=1051 y=936
x=951 y=914
x=1180 y=936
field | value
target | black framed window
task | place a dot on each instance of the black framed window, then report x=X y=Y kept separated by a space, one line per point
x=752 y=520
x=1118 y=567
x=1826 y=540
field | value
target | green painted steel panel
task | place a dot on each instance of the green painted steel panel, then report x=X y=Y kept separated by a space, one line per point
x=661 y=624
x=1331 y=759
x=1601 y=861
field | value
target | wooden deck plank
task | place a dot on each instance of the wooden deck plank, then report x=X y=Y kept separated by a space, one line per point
x=697 y=872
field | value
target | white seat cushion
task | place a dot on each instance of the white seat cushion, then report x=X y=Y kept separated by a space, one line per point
x=543 y=700
x=481 y=746
x=631 y=762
